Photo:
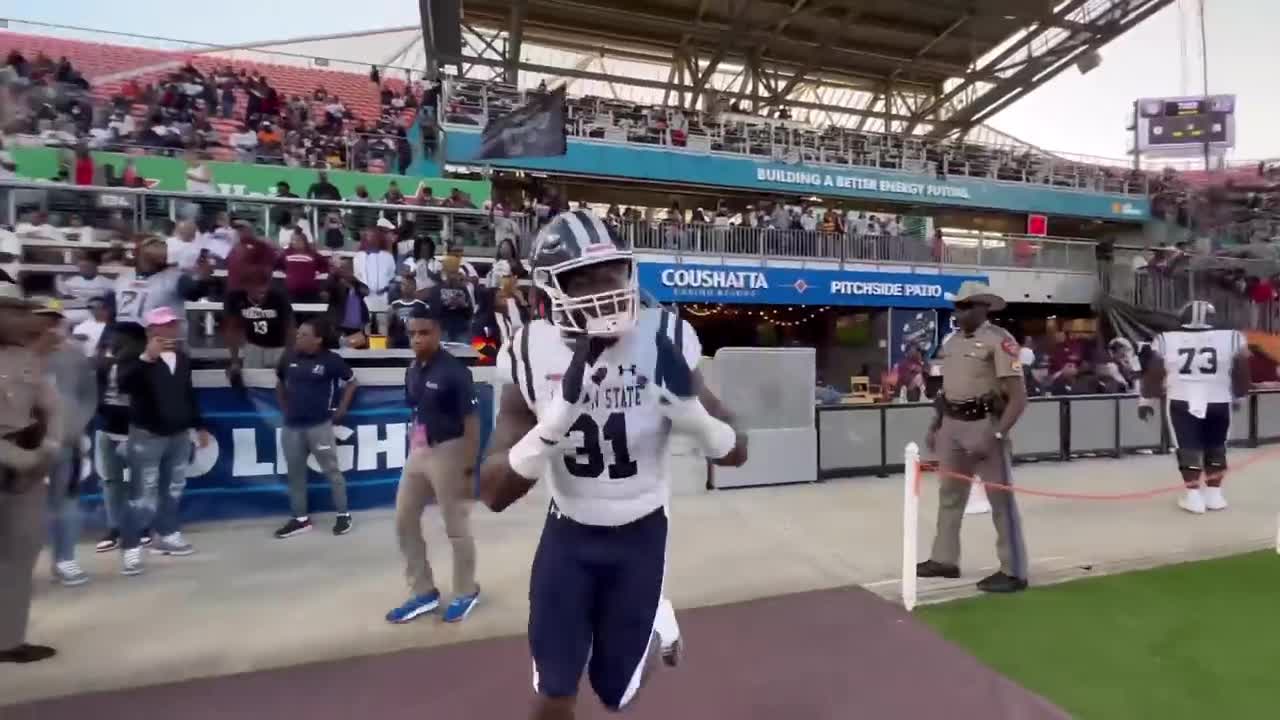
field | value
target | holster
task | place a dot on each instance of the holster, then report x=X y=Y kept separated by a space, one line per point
x=29 y=438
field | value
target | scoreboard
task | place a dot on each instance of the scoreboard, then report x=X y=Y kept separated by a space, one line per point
x=1170 y=125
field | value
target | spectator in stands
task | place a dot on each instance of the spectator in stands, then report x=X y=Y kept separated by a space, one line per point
x=310 y=377
x=506 y=263
x=258 y=324
x=245 y=143
x=375 y=267
x=72 y=375
x=83 y=174
x=91 y=331
x=333 y=231
x=163 y=416
x=302 y=267
x=455 y=298
x=401 y=310
x=322 y=189
x=251 y=260
x=111 y=453
x=180 y=244
x=348 y=312
x=1067 y=381
x=86 y=284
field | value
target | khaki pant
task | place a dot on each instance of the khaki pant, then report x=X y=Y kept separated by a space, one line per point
x=22 y=529
x=965 y=447
x=437 y=472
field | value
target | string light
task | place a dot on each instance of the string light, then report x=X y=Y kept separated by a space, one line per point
x=769 y=315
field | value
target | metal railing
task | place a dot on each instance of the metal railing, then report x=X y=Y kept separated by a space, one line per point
x=125 y=211
x=1005 y=251
x=784 y=140
x=122 y=212
x=1223 y=281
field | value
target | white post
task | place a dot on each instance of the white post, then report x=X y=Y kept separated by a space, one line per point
x=910 y=521
x=978 y=503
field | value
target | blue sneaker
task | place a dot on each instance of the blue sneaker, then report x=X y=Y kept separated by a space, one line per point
x=414 y=606
x=461 y=607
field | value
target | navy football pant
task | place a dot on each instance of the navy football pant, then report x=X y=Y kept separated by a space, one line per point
x=593 y=597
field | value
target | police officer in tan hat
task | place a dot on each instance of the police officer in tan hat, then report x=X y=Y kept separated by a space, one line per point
x=982 y=397
x=29 y=442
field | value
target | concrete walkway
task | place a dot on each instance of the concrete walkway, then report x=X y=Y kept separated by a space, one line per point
x=247 y=602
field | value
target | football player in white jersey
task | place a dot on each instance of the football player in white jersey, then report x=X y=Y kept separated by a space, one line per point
x=1201 y=372
x=597 y=386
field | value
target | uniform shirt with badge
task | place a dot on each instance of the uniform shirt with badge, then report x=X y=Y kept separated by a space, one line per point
x=265 y=324
x=973 y=365
x=616 y=464
x=440 y=396
x=311 y=384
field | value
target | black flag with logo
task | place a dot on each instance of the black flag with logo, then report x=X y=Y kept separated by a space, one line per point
x=535 y=129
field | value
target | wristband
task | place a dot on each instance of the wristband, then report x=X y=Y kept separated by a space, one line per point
x=530 y=456
x=716 y=437
x=1148 y=402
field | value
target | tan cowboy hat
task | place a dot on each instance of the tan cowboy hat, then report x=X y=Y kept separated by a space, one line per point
x=978 y=292
x=11 y=296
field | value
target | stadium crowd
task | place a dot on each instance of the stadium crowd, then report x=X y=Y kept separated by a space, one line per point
x=222 y=112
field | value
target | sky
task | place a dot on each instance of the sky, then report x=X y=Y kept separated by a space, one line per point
x=1082 y=114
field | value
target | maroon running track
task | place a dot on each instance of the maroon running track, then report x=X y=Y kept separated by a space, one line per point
x=825 y=655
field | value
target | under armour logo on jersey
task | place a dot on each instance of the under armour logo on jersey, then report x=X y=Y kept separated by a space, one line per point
x=623 y=369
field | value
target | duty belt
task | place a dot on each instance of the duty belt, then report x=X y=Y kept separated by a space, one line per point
x=975 y=409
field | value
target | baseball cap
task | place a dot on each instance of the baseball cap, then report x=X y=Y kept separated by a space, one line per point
x=51 y=307
x=160 y=316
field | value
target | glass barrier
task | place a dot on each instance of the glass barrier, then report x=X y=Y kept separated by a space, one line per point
x=1009 y=251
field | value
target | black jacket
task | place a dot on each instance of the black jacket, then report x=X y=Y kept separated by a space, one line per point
x=161 y=401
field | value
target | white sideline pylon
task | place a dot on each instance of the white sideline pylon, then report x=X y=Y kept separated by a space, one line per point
x=978 y=503
x=910 y=520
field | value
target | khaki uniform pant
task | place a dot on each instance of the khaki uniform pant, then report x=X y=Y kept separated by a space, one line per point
x=437 y=472
x=966 y=447
x=22 y=531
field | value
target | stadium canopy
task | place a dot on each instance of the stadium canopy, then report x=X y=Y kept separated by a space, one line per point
x=936 y=67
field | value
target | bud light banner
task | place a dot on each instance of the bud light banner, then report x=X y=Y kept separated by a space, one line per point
x=797 y=286
x=242 y=472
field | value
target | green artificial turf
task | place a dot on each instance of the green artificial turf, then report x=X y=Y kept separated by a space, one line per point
x=1199 y=641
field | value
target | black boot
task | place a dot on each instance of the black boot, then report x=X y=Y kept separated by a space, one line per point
x=25 y=653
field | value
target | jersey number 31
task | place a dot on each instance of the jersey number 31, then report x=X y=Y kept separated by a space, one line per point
x=587 y=460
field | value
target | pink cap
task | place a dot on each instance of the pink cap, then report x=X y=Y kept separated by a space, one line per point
x=160 y=316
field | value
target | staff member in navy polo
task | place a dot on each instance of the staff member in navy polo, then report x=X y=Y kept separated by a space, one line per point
x=445 y=437
x=310 y=377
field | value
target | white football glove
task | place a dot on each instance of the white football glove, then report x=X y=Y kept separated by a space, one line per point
x=530 y=456
x=674 y=392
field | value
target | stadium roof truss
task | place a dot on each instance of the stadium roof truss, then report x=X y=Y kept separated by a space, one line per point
x=929 y=66
x=932 y=67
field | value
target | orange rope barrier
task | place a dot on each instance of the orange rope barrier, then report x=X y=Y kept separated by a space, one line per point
x=1066 y=495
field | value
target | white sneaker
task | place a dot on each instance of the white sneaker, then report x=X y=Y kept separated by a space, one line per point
x=131 y=562
x=668 y=631
x=69 y=573
x=1192 y=501
x=1213 y=499
x=172 y=544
